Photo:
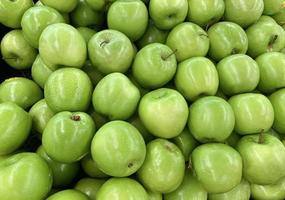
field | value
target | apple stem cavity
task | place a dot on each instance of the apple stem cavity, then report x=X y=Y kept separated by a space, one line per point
x=235 y=51
x=102 y=44
x=272 y=41
x=75 y=118
x=261 y=137
x=168 y=56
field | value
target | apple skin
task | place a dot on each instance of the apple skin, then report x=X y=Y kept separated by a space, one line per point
x=243 y=12
x=129 y=17
x=217 y=166
x=122 y=189
x=69 y=194
x=11 y=12
x=211 y=119
x=86 y=33
x=68 y=89
x=24 y=176
x=272 y=70
x=15 y=126
x=270 y=165
x=59 y=41
x=188 y=40
x=272 y=7
x=62 y=173
x=240 y=192
x=136 y=122
x=277 y=100
x=99 y=119
x=66 y=130
x=21 y=91
x=226 y=38
x=196 y=77
x=111 y=51
x=253 y=113
x=238 y=74
x=116 y=140
x=154 y=195
x=280 y=17
x=166 y=14
x=90 y=167
x=116 y=86
x=163 y=112
x=205 y=12
x=16 y=51
x=35 y=20
x=154 y=66
x=97 y=5
x=64 y=6
x=93 y=73
x=233 y=139
x=89 y=186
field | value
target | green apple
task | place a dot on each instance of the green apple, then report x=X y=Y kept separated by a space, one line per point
x=221 y=94
x=163 y=168
x=253 y=113
x=62 y=173
x=188 y=40
x=270 y=165
x=154 y=195
x=64 y=6
x=189 y=189
x=163 y=112
x=265 y=36
x=116 y=97
x=89 y=186
x=64 y=131
x=118 y=149
x=243 y=12
x=217 y=166
x=41 y=114
x=90 y=167
x=226 y=38
x=122 y=189
x=277 y=100
x=15 y=126
x=40 y=71
x=69 y=194
x=154 y=65
x=272 y=7
x=129 y=17
x=68 y=89
x=280 y=17
x=21 y=91
x=196 y=77
x=98 y=5
x=272 y=70
x=142 y=90
x=205 y=12
x=99 y=119
x=166 y=14
x=240 y=192
x=36 y=19
x=24 y=176
x=11 y=12
x=233 y=139
x=211 y=119
x=63 y=46
x=238 y=74
x=93 y=73
x=16 y=51
x=86 y=33
x=136 y=122
x=111 y=51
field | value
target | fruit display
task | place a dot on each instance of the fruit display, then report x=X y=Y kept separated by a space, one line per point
x=142 y=100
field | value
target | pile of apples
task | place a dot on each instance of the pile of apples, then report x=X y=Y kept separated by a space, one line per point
x=143 y=100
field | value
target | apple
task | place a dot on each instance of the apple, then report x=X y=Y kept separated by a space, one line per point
x=270 y=165
x=24 y=176
x=136 y=122
x=129 y=17
x=62 y=173
x=188 y=40
x=68 y=89
x=280 y=17
x=226 y=38
x=277 y=100
x=142 y=90
x=11 y=12
x=64 y=6
x=233 y=139
x=16 y=51
x=111 y=51
x=122 y=189
x=163 y=112
x=21 y=91
x=154 y=65
x=211 y=119
x=98 y=5
x=41 y=114
x=272 y=70
x=93 y=73
x=154 y=195
x=217 y=166
x=15 y=127
x=205 y=12
x=118 y=149
x=35 y=20
x=166 y=14
x=238 y=74
x=243 y=12
x=272 y=7
x=68 y=194
x=196 y=77
x=59 y=41
x=253 y=113
x=89 y=186
x=90 y=167
x=99 y=119
x=64 y=131
x=86 y=33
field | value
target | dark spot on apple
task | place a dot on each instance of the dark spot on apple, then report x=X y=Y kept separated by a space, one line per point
x=104 y=43
x=272 y=41
x=172 y=15
x=130 y=165
x=235 y=51
x=169 y=147
x=75 y=118
x=161 y=95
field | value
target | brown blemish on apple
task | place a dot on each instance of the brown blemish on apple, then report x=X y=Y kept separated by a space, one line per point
x=75 y=118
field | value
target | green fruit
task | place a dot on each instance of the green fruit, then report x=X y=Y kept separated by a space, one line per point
x=272 y=7
x=65 y=6
x=97 y=5
x=277 y=100
x=154 y=195
x=90 y=167
x=87 y=34
x=136 y=122
x=68 y=195
x=89 y=186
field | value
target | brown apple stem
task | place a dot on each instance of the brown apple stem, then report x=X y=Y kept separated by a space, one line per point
x=75 y=118
x=261 y=137
x=172 y=53
x=272 y=41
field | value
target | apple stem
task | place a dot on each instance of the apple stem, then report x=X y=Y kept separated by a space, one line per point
x=261 y=137
x=102 y=44
x=272 y=41
x=75 y=118
x=172 y=53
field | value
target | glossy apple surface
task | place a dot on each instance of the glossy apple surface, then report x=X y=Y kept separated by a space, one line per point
x=86 y=33
x=277 y=100
x=272 y=6
x=64 y=6
x=89 y=186
x=69 y=194
x=136 y=122
x=97 y=5
x=90 y=167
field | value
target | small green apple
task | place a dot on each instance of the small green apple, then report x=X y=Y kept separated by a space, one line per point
x=272 y=7
x=280 y=17
x=90 y=167
x=93 y=73
x=64 y=6
x=277 y=100
x=86 y=33
x=154 y=195
x=89 y=186
x=69 y=194
x=99 y=119
x=136 y=122
x=98 y=5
